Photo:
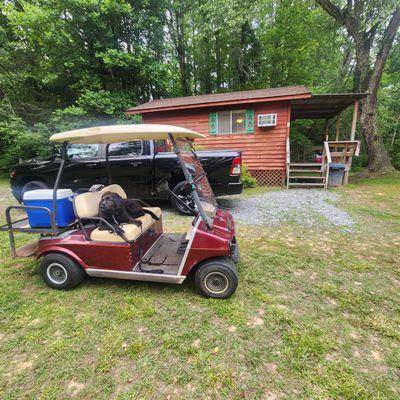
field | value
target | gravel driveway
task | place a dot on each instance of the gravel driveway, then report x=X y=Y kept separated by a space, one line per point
x=303 y=206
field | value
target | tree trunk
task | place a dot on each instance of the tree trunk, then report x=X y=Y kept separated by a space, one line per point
x=368 y=73
x=218 y=60
x=176 y=25
x=378 y=158
x=182 y=56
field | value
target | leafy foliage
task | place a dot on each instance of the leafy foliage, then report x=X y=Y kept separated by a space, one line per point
x=66 y=64
x=247 y=179
x=16 y=140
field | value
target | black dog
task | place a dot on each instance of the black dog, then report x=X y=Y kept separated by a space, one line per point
x=116 y=211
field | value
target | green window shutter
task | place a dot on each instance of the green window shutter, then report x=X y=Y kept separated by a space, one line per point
x=212 y=121
x=249 y=123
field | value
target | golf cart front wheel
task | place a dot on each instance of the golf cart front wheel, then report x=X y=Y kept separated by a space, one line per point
x=61 y=272
x=217 y=278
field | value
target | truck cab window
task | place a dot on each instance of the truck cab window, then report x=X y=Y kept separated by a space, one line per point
x=82 y=151
x=126 y=149
x=162 y=146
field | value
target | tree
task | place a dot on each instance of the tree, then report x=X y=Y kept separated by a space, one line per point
x=177 y=16
x=300 y=46
x=373 y=26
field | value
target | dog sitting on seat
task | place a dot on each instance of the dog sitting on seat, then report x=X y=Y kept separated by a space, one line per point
x=116 y=211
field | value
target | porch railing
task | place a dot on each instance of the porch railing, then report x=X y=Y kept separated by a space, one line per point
x=287 y=161
x=326 y=162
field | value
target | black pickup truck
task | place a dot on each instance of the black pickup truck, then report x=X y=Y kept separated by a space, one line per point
x=136 y=166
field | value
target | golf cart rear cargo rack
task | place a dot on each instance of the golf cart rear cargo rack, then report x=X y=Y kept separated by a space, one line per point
x=22 y=225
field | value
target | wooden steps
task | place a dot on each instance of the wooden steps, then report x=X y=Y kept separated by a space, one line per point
x=306 y=184
x=305 y=175
x=305 y=165
x=319 y=177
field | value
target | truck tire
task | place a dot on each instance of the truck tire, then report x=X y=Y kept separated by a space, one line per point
x=61 y=272
x=33 y=185
x=217 y=278
x=182 y=191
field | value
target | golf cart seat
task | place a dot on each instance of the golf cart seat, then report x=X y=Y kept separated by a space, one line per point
x=87 y=206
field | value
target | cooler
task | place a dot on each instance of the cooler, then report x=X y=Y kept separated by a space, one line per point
x=44 y=198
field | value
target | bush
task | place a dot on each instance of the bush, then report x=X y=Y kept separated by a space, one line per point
x=247 y=179
x=18 y=142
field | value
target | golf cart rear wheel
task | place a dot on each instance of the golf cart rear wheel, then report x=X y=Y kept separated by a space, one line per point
x=217 y=278
x=183 y=192
x=61 y=272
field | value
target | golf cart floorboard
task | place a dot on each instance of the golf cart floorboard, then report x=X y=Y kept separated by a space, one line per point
x=164 y=255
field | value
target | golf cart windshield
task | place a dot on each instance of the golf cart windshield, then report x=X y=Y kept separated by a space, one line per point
x=191 y=166
x=202 y=193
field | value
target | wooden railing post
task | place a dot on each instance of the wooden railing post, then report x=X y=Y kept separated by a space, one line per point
x=287 y=161
x=327 y=159
x=354 y=121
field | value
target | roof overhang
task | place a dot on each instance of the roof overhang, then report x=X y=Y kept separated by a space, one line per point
x=218 y=104
x=222 y=99
x=323 y=106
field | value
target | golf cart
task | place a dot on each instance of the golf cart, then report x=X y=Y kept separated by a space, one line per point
x=143 y=253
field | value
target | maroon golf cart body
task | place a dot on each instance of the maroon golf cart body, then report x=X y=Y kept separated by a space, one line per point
x=144 y=253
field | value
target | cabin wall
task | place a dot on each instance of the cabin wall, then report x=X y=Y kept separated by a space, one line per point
x=263 y=151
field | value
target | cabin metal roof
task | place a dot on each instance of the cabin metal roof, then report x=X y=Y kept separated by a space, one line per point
x=226 y=98
x=304 y=104
x=323 y=106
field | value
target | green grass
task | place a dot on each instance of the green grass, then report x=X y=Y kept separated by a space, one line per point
x=316 y=316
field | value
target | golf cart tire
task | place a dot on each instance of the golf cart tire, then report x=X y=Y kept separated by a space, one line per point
x=61 y=272
x=176 y=203
x=217 y=278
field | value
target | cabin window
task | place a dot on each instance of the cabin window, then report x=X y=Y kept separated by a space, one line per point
x=231 y=122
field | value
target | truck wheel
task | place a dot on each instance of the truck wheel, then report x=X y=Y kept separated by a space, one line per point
x=61 y=272
x=217 y=278
x=33 y=185
x=182 y=191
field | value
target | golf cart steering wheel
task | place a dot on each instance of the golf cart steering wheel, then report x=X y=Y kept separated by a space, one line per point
x=197 y=179
x=162 y=186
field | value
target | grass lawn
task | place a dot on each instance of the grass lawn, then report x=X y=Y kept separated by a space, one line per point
x=316 y=316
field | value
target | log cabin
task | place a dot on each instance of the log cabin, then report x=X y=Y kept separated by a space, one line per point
x=257 y=122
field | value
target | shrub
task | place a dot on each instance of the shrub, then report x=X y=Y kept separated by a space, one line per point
x=18 y=142
x=248 y=180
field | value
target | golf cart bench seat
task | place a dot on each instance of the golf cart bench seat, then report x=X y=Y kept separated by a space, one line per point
x=87 y=206
x=132 y=232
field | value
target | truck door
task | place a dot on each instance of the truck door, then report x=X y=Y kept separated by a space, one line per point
x=131 y=167
x=84 y=167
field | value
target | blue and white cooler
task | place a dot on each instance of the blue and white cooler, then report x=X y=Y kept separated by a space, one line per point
x=44 y=198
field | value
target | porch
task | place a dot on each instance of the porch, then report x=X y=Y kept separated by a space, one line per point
x=309 y=166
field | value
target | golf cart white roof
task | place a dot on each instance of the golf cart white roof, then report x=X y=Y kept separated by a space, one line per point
x=123 y=133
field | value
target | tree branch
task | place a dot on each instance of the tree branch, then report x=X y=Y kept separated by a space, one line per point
x=382 y=56
x=334 y=11
x=342 y=15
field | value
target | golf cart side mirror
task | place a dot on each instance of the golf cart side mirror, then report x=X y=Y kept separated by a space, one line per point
x=56 y=152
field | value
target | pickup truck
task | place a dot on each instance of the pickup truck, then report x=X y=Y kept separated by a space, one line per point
x=136 y=166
